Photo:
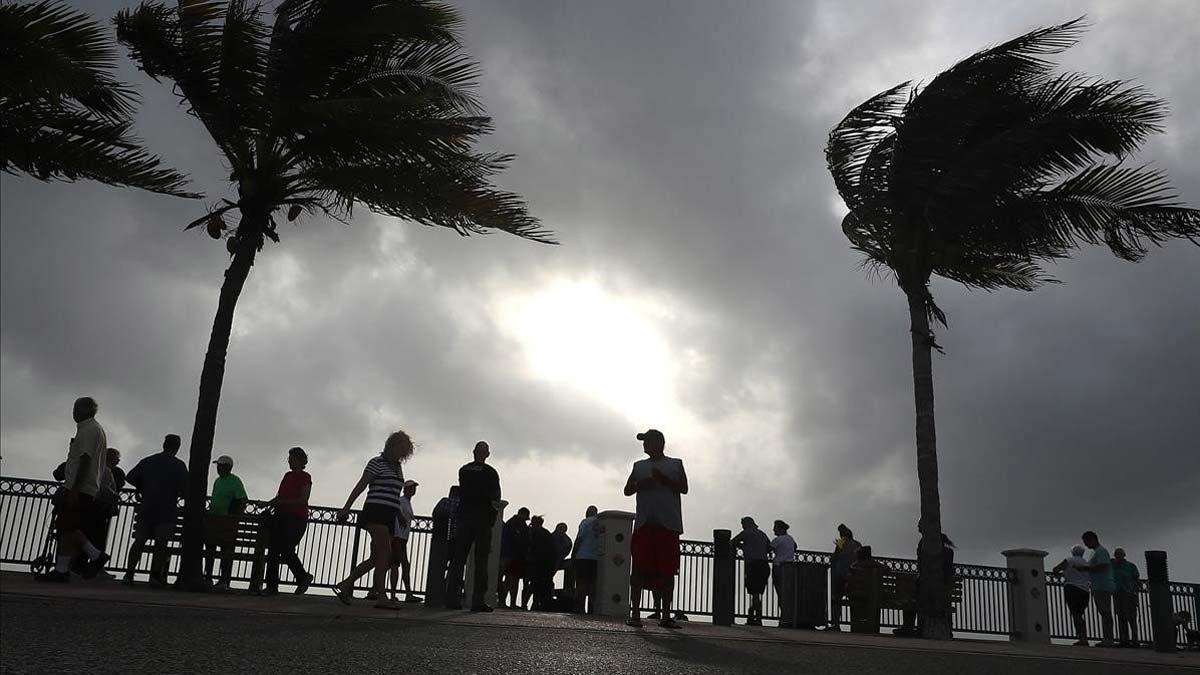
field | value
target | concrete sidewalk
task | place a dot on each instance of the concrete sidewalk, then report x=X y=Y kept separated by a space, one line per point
x=20 y=596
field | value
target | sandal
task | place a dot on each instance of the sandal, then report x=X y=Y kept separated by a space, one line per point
x=669 y=623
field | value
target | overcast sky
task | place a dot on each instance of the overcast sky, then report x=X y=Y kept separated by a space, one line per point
x=702 y=287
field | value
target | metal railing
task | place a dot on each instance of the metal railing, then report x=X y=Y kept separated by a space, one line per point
x=329 y=549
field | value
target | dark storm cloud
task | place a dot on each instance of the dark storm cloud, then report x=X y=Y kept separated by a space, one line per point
x=677 y=150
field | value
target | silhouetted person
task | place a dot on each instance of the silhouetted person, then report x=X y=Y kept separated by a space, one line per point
x=757 y=569
x=1099 y=567
x=783 y=551
x=514 y=555
x=161 y=479
x=383 y=479
x=445 y=518
x=289 y=523
x=658 y=481
x=480 y=493
x=1125 y=575
x=585 y=559
x=225 y=507
x=81 y=479
x=910 y=626
x=1077 y=585
x=845 y=551
x=562 y=548
x=541 y=565
x=401 y=569
x=106 y=507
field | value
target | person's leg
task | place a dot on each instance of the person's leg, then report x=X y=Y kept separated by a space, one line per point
x=394 y=568
x=1104 y=607
x=1080 y=626
x=483 y=549
x=635 y=597
x=836 y=584
x=275 y=546
x=162 y=533
x=667 y=593
x=381 y=556
x=295 y=533
x=405 y=570
x=461 y=548
x=136 y=548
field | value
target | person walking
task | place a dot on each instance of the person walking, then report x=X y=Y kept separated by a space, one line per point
x=401 y=567
x=81 y=481
x=845 y=552
x=480 y=496
x=783 y=552
x=225 y=508
x=585 y=557
x=1125 y=574
x=289 y=523
x=160 y=479
x=514 y=554
x=659 y=482
x=1077 y=585
x=383 y=479
x=755 y=547
x=1099 y=567
x=540 y=566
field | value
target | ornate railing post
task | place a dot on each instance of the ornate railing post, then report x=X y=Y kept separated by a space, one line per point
x=724 y=573
x=1162 y=623
x=615 y=532
x=1028 y=609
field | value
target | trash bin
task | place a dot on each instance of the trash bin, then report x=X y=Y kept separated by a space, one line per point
x=802 y=595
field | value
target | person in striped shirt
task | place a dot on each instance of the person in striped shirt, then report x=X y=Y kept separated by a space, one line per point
x=383 y=479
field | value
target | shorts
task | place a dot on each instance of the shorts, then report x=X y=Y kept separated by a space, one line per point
x=378 y=514
x=514 y=568
x=1126 y=603
x=72 y=518
x=655 y=551
x=585 y=570
x=757 y=573
x=1077 y=599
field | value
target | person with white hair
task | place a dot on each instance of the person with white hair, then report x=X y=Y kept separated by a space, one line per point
x=1076 y=588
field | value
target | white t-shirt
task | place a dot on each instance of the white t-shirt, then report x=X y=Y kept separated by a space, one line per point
x=784 y=548
x=405 y=516
x=1073 y=575
x=658 y=504
x=89 y=440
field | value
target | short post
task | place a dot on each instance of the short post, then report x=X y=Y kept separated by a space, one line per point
x=493 y=562
x=435 y=575
x=1162 y=621
x=722 y=578
x=1028 y=610
x=615 y=532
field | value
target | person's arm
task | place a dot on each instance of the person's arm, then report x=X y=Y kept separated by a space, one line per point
x=60 y=472
x=575 y=546
x=363 y=482
x=739 y=540
x=679 y=486
x=85 y=464
x=1062 y=565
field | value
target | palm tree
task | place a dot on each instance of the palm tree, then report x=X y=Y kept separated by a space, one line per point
x=994 y=168
x=335 y=102
x=62 y=114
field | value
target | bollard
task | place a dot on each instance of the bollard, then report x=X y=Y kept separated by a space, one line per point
x=615 y=530
x=1162 y=623
x=493 y=562
x=1028 y=610
x=722 y=579
x=435 y=574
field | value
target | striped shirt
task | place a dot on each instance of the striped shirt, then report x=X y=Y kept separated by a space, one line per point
x=387 y=482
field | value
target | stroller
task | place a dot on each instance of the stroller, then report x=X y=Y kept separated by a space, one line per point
x=44 y=562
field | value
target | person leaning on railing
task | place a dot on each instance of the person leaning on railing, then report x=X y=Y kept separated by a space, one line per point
x=161 y=480
x=225 y=507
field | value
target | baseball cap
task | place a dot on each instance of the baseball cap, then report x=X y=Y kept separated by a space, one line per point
x=652 y=434
x=224 y=459
x=411 y=483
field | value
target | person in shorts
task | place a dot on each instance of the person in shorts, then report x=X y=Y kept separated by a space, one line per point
x=1125 y=574
x=1099 y=567
x=585 y=556
x=82 y=477
x=658 y=481
x=161 y=479
x=383 y=479
x=1076 y=587
x=401 y=570
x=757 y=570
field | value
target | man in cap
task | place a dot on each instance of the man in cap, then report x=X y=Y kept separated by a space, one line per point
x=226 y=504
x=658 y=481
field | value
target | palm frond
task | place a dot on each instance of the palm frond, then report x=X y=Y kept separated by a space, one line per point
x=857 y=135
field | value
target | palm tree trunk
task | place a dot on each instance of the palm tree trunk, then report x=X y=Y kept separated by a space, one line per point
x=211 y=377
x=931 y=596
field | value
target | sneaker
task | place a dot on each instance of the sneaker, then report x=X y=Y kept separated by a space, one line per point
x=54 y=576
x=655 y=616
x=372 y=595
x=1081 y=643
x=343 y=594
x=669 y=623
x=93 y=567
x=157 y=582
x=105 y=575
x=303 y=584
x=905 y=632
x=413 y=600
x=386 y=603
x=833 y=628
x=635 y=622
x=482 y=608
x=1106 y=643
x=268 y=591
x=127 y=580
x=221 y=587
